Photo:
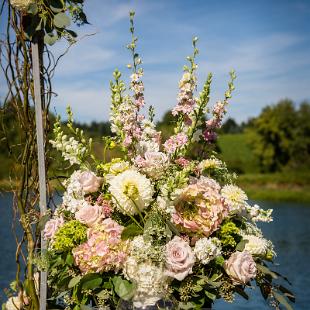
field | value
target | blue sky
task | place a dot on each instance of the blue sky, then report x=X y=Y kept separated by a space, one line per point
x=266 y=42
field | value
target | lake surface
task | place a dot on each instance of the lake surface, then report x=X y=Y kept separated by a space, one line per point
x=290 y=232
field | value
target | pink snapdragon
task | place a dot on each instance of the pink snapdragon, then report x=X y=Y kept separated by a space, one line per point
x=175 y=142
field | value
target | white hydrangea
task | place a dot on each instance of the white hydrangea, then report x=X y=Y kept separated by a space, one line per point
x=21 y=5
x=149 y=279
x=207 y=249
x=235 y=197
x=131 y=191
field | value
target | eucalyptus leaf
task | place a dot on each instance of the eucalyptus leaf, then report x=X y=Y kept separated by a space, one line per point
x=266 y=270
x=123 y=288
x=282 y=300
x=241 y=245
x=210 y=295
x=62 y=20
x=74 y=281
x=56 y=6
x=50 y=39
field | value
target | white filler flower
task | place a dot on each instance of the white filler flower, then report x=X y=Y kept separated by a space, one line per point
x=131 y=191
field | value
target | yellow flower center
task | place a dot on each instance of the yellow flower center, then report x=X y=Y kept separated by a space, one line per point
x=130 y=190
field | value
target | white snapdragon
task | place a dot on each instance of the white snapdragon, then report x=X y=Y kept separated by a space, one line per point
x=207 y=249
x=71 y=149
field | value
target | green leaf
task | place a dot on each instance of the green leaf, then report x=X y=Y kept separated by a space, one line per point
x=241 y=245
x=69 y=259
x=84 y=307
x=131 y=231
x=266 y=270
x=282 y=300
x=50 y=39
x=56 y=6
x=123 y=288
x=92 y=284
x=210 y=295
x=220 y=260
x=61 y=20
x=102 y=294
x=33 y=9
x=74 y=281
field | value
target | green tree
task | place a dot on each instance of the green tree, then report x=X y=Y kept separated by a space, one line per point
x=278 y=135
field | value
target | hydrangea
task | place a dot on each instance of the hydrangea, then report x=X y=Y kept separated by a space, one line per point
x=207 y=249
x=149 y=279
x=104 y=249
x=131 y=191
x=256 y=214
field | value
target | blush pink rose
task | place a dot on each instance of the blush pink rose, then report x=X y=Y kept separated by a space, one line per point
x=240 y=267
x=89 y=181
x=89 y=214
x=113 y=229
x=179 y=258
x=52 y=226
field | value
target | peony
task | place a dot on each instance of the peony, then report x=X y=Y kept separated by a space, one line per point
x=131 y=191
x=52 y=226
x=179 y=258
x=235 y=197
x=90 y=214
x=240 y=267
x=89 y=181
x=206 y=249
x=255 y=245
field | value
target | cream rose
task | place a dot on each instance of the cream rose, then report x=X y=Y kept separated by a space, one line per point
x=51 y=227
x=89 y=182
x=179 y=258
x=89 y=214
x=240 y=267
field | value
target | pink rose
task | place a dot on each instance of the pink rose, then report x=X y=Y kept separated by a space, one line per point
x=89 y=181
x=240 y=267
x=179 y=258
x=113 y=229
x=52 y=226
x=89 y=214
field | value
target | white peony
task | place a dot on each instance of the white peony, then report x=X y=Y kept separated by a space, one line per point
x=206 y=249
x=235 y=197
x=131 y=191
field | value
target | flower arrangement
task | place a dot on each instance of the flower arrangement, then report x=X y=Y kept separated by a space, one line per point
x=164 y=225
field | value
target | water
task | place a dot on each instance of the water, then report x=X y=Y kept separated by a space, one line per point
x=290 y=233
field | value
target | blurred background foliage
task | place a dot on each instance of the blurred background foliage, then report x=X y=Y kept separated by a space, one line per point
x=270 y=152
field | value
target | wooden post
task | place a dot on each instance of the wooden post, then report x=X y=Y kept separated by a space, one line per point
x=41 y=157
